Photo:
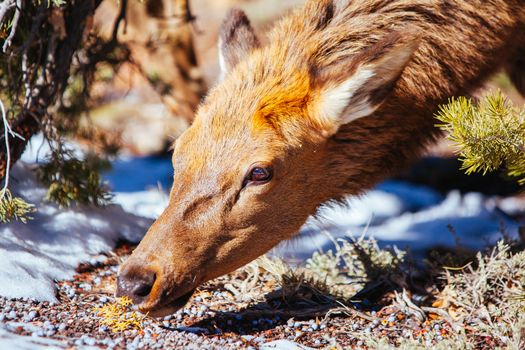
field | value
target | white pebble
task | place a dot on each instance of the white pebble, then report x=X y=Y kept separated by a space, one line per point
x=30 y=316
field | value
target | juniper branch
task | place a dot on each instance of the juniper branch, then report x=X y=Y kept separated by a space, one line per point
x=489 y=135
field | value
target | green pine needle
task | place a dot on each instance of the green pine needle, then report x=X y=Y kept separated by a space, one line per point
x=490 y=135
x=14 y=208
x=71 y=179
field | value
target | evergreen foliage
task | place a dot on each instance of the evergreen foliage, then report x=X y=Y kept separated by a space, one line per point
x=48 y=63
x=14 y=208
x=71 y=179
x=490 y=134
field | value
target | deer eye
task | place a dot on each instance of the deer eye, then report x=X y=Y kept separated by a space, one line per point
x=258 y=174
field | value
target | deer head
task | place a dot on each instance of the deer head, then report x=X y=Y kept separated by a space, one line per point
x=257 y=160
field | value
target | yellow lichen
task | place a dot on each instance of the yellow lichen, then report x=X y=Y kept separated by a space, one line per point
x=119 y=316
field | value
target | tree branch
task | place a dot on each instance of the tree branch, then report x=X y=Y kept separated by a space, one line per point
x=7 y=132
x=51 y=70
x=14 y=25
x=4 y=7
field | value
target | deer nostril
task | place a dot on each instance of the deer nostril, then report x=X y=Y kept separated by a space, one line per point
x=136 y=285
x=142 y=290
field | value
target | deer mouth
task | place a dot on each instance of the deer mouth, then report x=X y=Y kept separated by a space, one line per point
x=169 y=307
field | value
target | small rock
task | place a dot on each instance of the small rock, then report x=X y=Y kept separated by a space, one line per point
x=30 y=316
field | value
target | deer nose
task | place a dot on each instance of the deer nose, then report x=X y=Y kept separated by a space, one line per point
x=136 y=285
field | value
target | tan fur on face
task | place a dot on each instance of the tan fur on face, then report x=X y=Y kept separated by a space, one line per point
x=277 y=106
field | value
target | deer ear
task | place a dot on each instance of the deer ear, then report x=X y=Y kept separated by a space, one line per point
x=237 y=39
x=355 y=88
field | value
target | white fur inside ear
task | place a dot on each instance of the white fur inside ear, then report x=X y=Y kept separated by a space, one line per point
x=337 y=104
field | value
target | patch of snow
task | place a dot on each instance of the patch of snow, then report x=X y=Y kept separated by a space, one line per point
x=149 y=204
x=283 y=344
x=10 y=340
x=402 y=214
x=512 y=205
x=38 y=149
x=51 y=246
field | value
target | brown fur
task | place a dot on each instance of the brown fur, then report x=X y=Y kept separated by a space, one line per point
x=267 y=109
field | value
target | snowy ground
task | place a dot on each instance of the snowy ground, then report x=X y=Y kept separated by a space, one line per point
x=408 y=216
x=49 y=247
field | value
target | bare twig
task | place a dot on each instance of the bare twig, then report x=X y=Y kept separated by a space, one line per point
x=348 y=311
x=403 y=300
x=4 y=7
x=8 y=152
x=446 y=316
x=7 y=132
x=14 y=25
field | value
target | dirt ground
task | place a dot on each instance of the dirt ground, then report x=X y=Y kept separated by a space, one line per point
x=245 y=309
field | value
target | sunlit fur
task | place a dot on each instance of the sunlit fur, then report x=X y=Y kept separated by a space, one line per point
x=271 y=107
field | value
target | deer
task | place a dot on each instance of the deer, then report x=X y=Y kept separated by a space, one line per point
x=340 y=96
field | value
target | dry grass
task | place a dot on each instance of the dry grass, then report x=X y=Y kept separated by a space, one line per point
x=483 y=301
